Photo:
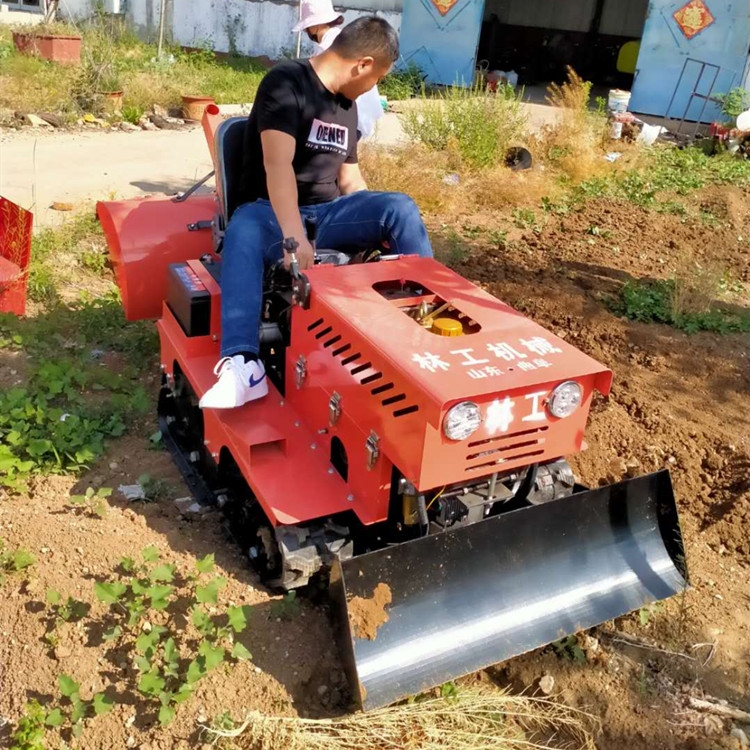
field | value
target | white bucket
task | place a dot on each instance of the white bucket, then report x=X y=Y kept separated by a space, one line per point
x=618 y=100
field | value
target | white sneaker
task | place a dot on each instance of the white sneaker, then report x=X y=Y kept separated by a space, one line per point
x=239 y=382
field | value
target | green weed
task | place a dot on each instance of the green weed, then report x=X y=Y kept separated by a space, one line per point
x=402 y=84
x=154 y=489
x=13 y=561
x=29 y=734
x=568 y=648
x=646 y=613
x=476 y=125
x=60 y=610
x=165 y=676
x=94 y=502
x=449 y=690
x=286 y=608
x=652 y=301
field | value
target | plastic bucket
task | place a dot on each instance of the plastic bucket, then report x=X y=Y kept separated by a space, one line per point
x=618 y=100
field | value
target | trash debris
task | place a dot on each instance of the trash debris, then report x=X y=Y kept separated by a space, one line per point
x=451 y=179
x=649 y=134
x=188 y=505
x=132 y=492
x=36 y=122
x=518 y=159
x=613 y=156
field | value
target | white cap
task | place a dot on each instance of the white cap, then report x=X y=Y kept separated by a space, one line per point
x=316 y=13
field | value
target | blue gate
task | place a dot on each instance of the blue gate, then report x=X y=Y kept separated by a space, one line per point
x=441 y=37
x=701 y=46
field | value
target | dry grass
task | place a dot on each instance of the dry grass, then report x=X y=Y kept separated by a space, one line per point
x=473 y=720
x=576 y=144
x=696 y=289
x=417 y=172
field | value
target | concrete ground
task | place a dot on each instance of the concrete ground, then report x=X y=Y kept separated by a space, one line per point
x=40 y=167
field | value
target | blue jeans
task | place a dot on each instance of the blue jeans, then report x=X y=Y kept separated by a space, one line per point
x=359 y=221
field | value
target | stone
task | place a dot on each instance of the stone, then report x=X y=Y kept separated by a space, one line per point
x=160 y=111
x=61 y=206
x=739 y=735
x=52 y=119
x=163 y=123
x=35 y=121
x=146 y=124
x=128 y=127
x=547 y=684
x=62 y=652
x=322 y=690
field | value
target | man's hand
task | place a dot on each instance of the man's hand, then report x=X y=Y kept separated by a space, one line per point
x=305 y=256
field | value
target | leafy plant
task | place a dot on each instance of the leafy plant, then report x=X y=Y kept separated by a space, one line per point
x=153 y=489
x=403 y=83
x=93 y=501
x=62 y=610
x=477 y=125
x=449 y=690
x=568 y=648
x=286 y=608
x=734 y=102
x=29 y=734
x=73 y=710
x=169 y=664
x=14 y=561
x=646 y=613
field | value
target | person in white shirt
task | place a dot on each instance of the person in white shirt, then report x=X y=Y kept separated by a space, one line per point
x=322 y=24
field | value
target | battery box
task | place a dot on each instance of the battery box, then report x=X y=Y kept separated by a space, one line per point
x=189 y=300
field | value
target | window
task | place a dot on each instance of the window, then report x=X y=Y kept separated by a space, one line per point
x=36 y=5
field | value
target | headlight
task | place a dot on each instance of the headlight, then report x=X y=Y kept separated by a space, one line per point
x=565 y=399
x=462 y=420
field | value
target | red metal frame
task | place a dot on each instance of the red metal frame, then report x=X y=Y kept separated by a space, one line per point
x=351 y=334
x=15 y=256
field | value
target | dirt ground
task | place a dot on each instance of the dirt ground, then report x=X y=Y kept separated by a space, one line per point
x=678 y=401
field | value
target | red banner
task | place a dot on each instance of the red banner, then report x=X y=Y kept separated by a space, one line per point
x=693 y=18
x=444 y=6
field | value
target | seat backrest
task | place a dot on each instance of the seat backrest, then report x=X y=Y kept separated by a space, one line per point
x=230 y=140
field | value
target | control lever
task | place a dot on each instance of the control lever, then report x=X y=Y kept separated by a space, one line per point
x=301 y=288
x=311 y=230
x=290 y=246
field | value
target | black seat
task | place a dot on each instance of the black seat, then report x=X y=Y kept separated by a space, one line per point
x=230 y=141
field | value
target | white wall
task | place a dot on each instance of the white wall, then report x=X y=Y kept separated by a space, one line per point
x=252 y=27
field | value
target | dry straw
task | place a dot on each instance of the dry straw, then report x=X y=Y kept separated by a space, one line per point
x=473 y=720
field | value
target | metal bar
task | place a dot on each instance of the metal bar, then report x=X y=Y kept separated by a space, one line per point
x=182 y=197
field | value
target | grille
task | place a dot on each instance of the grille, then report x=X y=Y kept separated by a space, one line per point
x=526 y=444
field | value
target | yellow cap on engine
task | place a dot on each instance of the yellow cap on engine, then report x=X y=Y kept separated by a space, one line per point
x=447 y=327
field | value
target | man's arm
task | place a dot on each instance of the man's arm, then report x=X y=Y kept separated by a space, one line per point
x=278 y=155
x=351 y=179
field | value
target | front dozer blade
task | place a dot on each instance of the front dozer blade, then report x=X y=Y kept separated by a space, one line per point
x=471 y=597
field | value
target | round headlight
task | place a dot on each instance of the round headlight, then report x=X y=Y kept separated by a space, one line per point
x=565 y=399
x=462 y=420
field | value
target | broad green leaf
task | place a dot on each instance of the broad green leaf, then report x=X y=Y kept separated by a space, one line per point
x=202 y=621
x=109 y=593
x=240 y=652
x=68 y=686
x=152 y=683
x=80 y=707
x=78 y=499
x=214 y=655
x=162 y=573
x=205 y=564
x=54 y=718
x=112 y=634
x=127 y=564
x=209 y=593
x=140 y=587
x=182 y=694
x=150 y=553
x=102 y=704
x=196 y=670
x=166 y=714
x=171 y=654
x=159 y=596
x=142 y=664
x=22 y=559
x=53 y=597
x=77 y=730
x=39 y=447
x=238 y=618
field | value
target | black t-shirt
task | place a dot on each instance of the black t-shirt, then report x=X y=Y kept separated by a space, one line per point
x=291 y=98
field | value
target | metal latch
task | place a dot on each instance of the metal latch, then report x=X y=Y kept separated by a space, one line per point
x=334 y=409
x=197 y=226
x=372 y=445
x=300 y=371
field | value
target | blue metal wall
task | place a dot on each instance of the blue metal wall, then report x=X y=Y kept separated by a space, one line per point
x=443 y=46
x=666 y=54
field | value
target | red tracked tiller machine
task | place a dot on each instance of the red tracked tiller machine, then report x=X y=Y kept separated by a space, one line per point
x=414 y=435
